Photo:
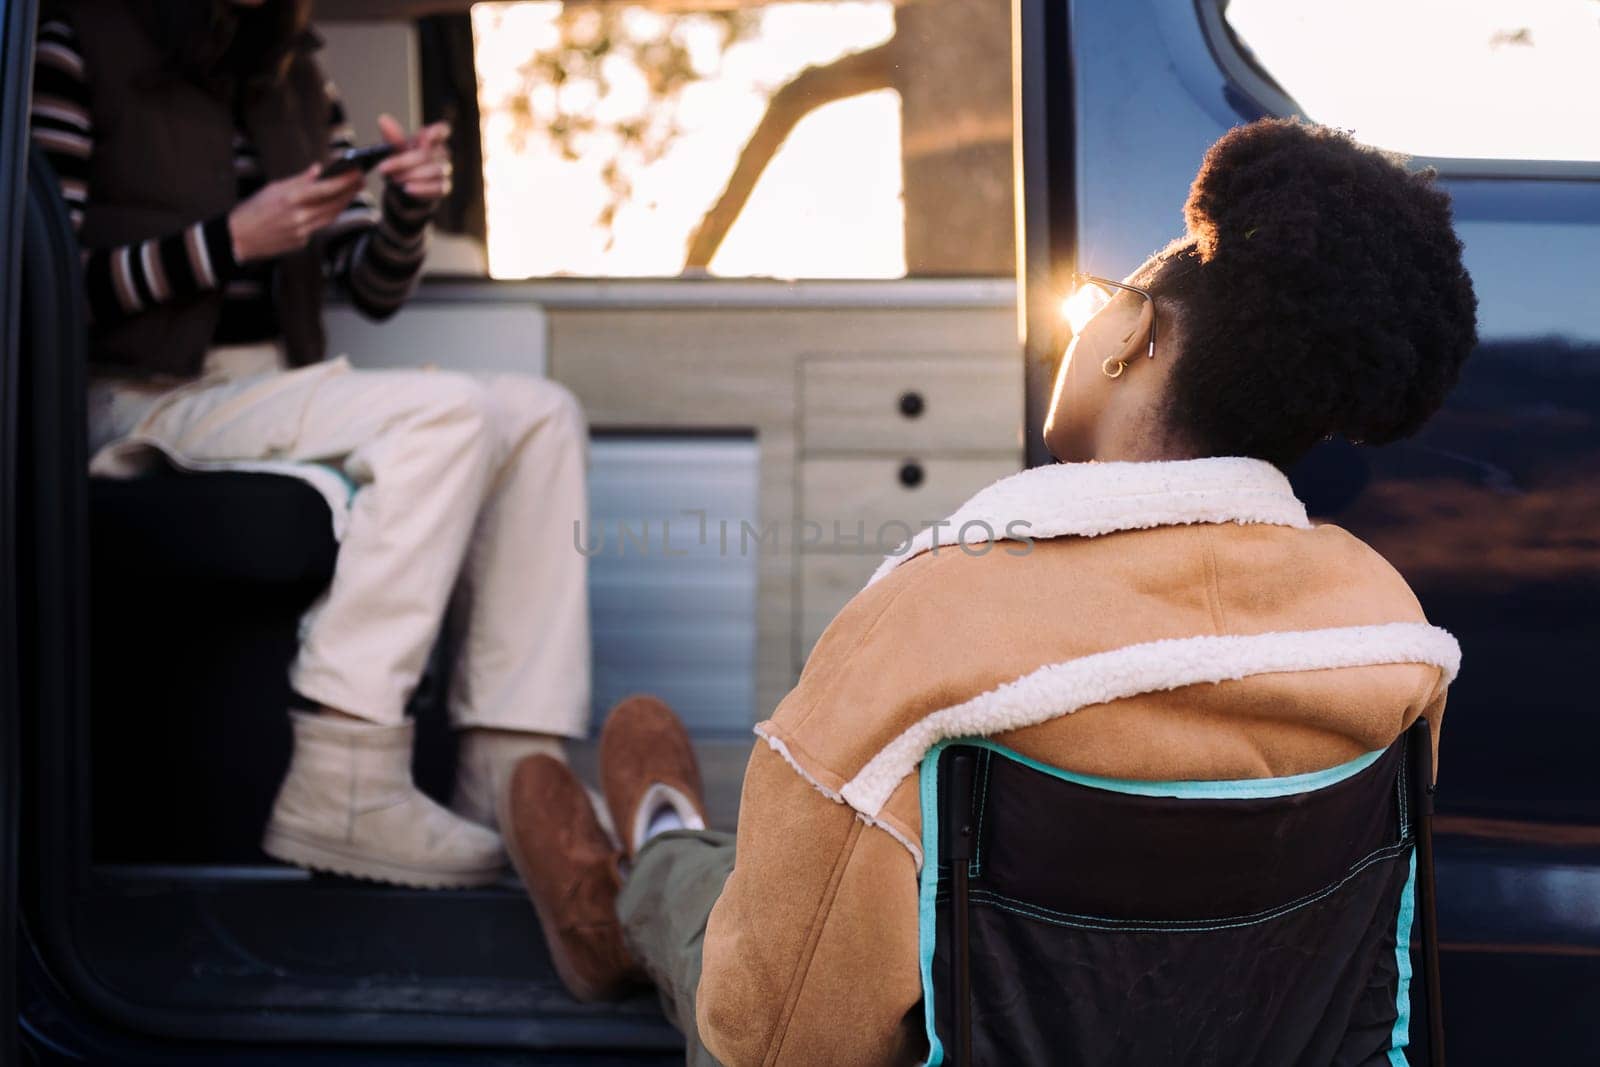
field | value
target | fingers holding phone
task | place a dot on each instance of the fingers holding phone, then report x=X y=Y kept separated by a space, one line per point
x=421 y=163
x=284 y=215
x=361 y=159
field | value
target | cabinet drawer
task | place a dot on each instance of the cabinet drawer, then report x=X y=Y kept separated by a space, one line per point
x=873 y=494
x=912 y=404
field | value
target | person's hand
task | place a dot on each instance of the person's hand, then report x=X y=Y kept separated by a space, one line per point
x=284 y=215
x=421 y=167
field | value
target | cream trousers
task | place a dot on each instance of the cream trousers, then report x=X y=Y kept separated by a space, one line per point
x=465 y=486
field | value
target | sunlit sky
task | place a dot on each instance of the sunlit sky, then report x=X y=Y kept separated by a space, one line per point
x=1493 y=79
x=1468 y=78
x=827 y=206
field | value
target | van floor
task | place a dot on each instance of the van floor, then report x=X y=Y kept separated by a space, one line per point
x=270 y=952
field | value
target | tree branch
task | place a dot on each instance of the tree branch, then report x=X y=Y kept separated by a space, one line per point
x=851 y=75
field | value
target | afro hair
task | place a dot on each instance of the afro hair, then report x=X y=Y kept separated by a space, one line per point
x=1319 y=291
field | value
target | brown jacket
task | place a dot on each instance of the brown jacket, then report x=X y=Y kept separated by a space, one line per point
x=1166 y=621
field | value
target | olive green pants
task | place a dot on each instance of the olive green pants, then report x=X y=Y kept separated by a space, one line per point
x=664 y=906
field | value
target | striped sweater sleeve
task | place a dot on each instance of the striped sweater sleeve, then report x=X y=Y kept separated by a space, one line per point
x=124 y=279
x=375 y=252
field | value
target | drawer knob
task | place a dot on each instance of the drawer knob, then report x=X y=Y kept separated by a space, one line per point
x=912 y=404
x=911 y=474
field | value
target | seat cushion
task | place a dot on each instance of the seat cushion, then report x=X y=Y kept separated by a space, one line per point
x=225 y=526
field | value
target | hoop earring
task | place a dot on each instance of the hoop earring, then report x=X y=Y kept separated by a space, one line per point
x=1105 y=368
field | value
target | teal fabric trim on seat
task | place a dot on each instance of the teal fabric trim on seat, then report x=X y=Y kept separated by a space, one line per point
x=1401 y=1036
x=339 y=472
x=928 y=890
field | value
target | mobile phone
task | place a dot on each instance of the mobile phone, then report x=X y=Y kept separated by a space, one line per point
x=353 y=158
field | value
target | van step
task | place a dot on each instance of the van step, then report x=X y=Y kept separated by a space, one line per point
x=273 y=953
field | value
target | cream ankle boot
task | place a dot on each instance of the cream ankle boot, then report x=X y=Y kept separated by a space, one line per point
x=483 y=773
x=483 y=769
x=348 y=806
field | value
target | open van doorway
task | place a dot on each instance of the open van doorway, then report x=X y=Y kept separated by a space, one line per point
x=770 y=253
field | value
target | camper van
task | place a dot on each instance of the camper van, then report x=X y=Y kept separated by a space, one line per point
x=802 y=263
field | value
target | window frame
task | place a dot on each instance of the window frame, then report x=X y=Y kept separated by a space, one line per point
x=1257 y=85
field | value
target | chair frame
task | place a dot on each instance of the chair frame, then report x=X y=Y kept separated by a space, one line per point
x=960 y=838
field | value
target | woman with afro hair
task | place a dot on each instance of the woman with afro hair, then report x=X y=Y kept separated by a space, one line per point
x=1156 y=608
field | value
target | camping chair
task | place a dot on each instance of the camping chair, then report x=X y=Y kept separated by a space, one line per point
x=1068 y=919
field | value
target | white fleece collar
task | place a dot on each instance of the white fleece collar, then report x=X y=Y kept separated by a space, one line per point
x=1091 y=499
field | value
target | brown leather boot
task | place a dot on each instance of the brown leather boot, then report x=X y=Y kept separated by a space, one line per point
x=563 y=856
x=647 y=763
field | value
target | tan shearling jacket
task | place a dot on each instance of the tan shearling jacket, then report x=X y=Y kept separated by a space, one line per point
x=1159 y=621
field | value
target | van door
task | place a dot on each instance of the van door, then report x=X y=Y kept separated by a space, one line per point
x=1490 y=512
x=16 y=46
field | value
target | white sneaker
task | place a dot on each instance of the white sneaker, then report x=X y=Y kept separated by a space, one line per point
x=348 y=806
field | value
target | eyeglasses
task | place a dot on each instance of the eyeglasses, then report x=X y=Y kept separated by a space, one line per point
x=1090 y=294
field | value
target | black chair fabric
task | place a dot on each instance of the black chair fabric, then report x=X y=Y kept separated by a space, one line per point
x=1107 y=928
x=251 y=528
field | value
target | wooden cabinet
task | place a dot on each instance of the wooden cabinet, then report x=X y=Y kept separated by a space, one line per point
x=841 y=386
x=907 y=404
x=888 y=445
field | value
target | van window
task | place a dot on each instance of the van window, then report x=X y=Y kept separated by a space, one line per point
x=820 y=139
x=1477 y=79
